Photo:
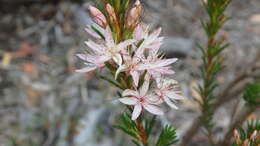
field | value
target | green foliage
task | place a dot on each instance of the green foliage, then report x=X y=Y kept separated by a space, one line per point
x=211 y=58
x=111 y=81
x=128 y=126
x=245 y=134
x=252 y=94
x=136 y=142
x=215 y=10
x=167 y=136
x=149 y=124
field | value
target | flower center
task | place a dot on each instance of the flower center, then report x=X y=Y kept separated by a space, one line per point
x=141 y=99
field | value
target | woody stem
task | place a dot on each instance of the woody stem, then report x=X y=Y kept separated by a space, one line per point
x=142 y=134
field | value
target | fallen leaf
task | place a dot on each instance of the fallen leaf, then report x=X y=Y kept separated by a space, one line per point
x=6 y=59
x=30 y=68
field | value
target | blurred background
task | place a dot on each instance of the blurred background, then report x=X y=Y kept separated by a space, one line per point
x=43 y=102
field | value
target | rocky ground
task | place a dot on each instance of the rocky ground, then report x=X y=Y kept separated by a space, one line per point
x=44 y=102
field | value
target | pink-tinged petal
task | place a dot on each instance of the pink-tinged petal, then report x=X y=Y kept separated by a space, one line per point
x=155 y=75
x=154 y=99
x=128 y=92
x=91 y=58
x=109 y=37
x=138 y=32
x=153 y=109
x=144 y=88
x=164 y=71
x=102 y=59
x=95 y=47
x=82 y=56
x=92 y=33
x=155 y=46
x=153 y=36
x=86 y=69
x=124 y=44
x=139 y=52
x=128 y=100
x=175 y=96
x=137 y=111
x=137 y=3
x=144 y=66
x=165 y=62
x=135 y=75
x=170 y=103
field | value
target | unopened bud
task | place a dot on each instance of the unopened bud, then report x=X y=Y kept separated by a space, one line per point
x=98 y=16
x=137 y=3
x=237 y=137
x=253 y=136
x=246 y=142
x=134 y=15
x=111 y=11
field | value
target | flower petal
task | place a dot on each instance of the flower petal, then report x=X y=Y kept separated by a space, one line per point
x=118 y=59
x=86 y=69
x=137 y=111
x=144 y=88
x=154 y=99
x=165 y=62
x=109 y=38
x=175 y=96
x=153 y=109
x=153 y=36
x=164 y=70
x=82 y=56
x=89 y=30
x=170 y=103
x=124 y=44
x=137 y=34
x=95 y=47
x=128 y=100
x=135 y=76
x=128 y=92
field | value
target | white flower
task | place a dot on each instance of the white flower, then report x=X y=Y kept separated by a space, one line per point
x=103 y=51
x=151 y=41
x=140 y=100
x=166 y=91
x=156 y=67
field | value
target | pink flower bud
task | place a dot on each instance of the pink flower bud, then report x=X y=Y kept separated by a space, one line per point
x=98 y=17
x=134 y=15
x=253 y=136
x=237 y=137
x=110 y=10
x=246 y=142
x=137 y=3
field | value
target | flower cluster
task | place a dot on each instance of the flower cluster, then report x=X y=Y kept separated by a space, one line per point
x=137 y=57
